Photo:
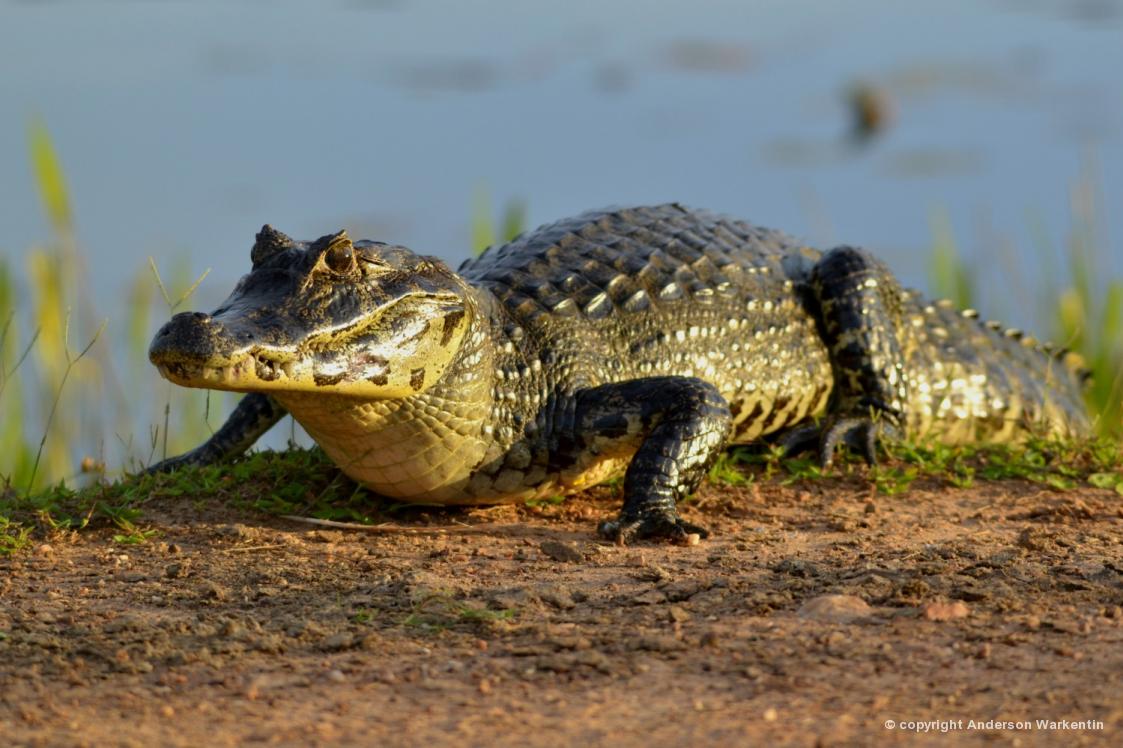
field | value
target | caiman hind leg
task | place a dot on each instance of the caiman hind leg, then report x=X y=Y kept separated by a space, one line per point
x=252 y=417
x=857 y=302
x=677 y=427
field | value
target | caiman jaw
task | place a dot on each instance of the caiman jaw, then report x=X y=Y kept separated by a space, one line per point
x=250 y=373
x=404 y=350
x=197 y=350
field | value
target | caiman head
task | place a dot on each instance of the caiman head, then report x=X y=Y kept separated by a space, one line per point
x=364 y=319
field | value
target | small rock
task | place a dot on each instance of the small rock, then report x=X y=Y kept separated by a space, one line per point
x=651 y=597
x=559 y=597
x=1035 y=539
x=941 y=611
x=654 y=573
x=835 y=609
x=231 y=628
x=797 y=567
x=253 y=688
x=692 y=538
x=204 y=629
x=565 y=552
x=1064 y=625
x=770 y=714
x=173 y=571
x=337 y=642
x=569 y=642
x=214 y=591
x=682 y=590
x=265 y=591
x=660 y=643
x=710 y=639
x=240 y=531
x=268 y=643
x=595 y=659
x=678 y=614
x=511 y=601
x=336 y=676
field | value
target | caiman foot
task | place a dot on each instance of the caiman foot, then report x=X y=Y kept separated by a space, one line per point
x=654 y=525
x=859 y=433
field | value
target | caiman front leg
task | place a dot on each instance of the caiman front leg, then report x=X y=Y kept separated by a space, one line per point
x=677 y=426
x=252 y=417
x=857 y=302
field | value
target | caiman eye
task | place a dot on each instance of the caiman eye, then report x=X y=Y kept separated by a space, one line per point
x=340 y=257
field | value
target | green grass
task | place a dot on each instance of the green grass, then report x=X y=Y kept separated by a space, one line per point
x=547 y=501
x=1060 y=465
x=14 y=536
x=304 y=482
x=726 y=472
x=297 y=481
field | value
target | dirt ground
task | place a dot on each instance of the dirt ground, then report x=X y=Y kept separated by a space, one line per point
x=819 y=613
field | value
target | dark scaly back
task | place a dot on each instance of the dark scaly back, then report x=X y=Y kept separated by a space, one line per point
x=621 y=294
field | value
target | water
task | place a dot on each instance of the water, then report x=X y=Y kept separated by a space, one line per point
x=185 y=126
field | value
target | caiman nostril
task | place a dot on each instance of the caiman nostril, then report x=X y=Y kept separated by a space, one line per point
x=190 y=336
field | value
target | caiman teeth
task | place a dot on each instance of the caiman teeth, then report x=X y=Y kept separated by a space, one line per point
x=266 y=370
x=245 y=371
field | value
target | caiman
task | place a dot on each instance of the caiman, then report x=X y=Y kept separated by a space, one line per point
x=636 y=342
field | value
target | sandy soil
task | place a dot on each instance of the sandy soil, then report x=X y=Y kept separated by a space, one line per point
x=817 y=614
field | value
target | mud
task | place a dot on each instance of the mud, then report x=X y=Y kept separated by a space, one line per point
x=815 y=615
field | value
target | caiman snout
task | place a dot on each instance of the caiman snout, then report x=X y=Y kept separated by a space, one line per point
x=190 y=337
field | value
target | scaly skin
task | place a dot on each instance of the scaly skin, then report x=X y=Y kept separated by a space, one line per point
x=638 y=341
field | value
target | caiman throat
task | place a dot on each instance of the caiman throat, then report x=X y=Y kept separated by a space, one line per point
x=636 y=342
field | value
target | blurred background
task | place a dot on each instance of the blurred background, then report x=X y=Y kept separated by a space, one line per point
x=973 y=144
